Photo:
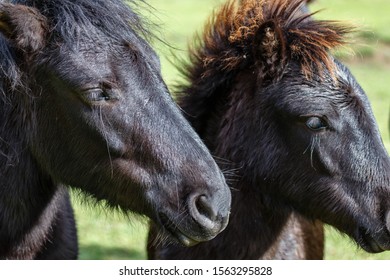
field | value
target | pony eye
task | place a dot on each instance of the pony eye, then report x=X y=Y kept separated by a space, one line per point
x=316 y=123
x=95 y=95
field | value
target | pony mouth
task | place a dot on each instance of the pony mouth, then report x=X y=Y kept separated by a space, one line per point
x=369 y=243
x=175 y=231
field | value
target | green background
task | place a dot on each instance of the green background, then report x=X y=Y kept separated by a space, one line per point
x=104 y=234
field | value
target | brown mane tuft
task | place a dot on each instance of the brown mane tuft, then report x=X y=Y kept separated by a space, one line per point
x=259 y=37
x=229 y=36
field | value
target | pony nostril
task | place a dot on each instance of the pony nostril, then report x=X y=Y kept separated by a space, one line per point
x=388 y=221
x=204 y=212
x=205 y=208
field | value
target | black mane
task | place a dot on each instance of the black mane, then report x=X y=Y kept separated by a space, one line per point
x=71 y=19
x=68 y=18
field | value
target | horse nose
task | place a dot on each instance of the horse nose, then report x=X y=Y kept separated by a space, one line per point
x=209 y=213
x=388 y=221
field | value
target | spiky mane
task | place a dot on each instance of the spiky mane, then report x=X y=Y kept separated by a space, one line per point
x=259 y=35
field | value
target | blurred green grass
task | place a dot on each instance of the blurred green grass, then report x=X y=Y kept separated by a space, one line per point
x=107 y=235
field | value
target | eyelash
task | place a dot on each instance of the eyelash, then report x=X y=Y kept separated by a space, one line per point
x=316 y=123
x=96 y=95
x=102 y=93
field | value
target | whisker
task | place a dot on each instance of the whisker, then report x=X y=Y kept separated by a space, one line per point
x=308 y=146
x=314 y=141
x=106 y=138
x=222 y=160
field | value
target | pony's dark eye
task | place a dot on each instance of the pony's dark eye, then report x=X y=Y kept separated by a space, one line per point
x=95 y=95
x=316 y=123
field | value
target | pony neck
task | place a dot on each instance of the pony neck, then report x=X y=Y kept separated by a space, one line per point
x=268 y=229
x=27 y=195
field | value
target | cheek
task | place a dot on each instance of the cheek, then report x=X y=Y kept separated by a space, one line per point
x=304 y=151
x=330 y=154
x=113 y=137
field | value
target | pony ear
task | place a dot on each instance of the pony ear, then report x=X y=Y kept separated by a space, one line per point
x=269 y=50
x=23 y=26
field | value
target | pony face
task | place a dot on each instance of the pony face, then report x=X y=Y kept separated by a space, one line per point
x=264 y=93
x=102 y=119
x=327 y=158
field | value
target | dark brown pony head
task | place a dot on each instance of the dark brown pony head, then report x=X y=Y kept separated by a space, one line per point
x=264 y=93
x=81 y=95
